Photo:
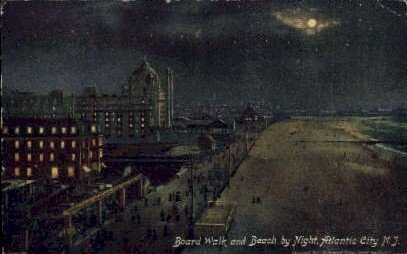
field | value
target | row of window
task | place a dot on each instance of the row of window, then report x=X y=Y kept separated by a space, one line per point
x=119 y=117
x=54 y=172
x=131 y=125
x=41 y=130
x=54 y=130
x=41 y=156
x=108 y=114
x=41 y=144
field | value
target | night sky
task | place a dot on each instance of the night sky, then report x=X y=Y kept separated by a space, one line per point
x=222 y=52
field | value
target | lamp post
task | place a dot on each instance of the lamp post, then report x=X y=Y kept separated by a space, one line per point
x=191 y=190
x=191 y=159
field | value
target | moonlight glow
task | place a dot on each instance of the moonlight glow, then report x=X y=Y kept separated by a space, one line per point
x=312 y=23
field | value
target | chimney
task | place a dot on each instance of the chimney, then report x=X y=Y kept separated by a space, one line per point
x=170 y=97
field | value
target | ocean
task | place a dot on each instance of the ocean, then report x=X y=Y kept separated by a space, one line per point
x=387 y=129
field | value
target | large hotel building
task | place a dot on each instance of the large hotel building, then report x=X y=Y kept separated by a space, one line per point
x=143 y=107
x=60 y=136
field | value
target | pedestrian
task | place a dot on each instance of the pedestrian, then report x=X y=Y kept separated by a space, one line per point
x=162 y=215
x=165 y=230
x=155 y=235
x=126 y=246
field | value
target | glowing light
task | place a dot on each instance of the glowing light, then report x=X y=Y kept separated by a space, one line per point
x=312 y=23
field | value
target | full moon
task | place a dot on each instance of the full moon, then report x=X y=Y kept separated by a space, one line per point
x=312 y=23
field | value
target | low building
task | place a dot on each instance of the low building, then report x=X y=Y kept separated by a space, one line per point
x=216 y=220
x=35 y=148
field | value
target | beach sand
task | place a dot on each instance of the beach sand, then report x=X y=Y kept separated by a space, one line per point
x=309 y=184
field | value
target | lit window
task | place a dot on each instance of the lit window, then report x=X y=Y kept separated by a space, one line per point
x=100 y=153
x=73 y=130
x=29 y=144
x=62 y=144
x=5 y=130
x=51 y=157
x=52 y=144
x=73 y=157
x=29 y=171
x=63 y=130
x=107 y=125
x=90 y=155
x=17 y=171
x=16 y=130
x=100 y=141
x=41 y=157
x=93 y=142
x=29 y=157
x=73 y=144
x=54 y=130
x=54 y=172
x=142 y=119
x=131 y=125
x=16 y=157
x=119 y=119
x=41 y=130
x=29 y=130
x=142 y=125
x=71 y=171
x=41 y=144
x=93 y=129
x=17 y=144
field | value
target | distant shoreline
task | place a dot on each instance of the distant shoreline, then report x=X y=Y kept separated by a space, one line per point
x=385 y=152
x=357 y=128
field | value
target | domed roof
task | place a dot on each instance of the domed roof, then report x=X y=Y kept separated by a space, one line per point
x=144 y=70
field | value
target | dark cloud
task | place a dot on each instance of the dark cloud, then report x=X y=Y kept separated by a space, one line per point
x=221 y=51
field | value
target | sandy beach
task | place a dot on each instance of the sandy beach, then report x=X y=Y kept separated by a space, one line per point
x=313 y=177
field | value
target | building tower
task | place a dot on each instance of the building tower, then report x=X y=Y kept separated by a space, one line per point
x=144 y=89
x=170 y=97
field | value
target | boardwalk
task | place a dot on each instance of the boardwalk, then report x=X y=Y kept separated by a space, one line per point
x=315 y=188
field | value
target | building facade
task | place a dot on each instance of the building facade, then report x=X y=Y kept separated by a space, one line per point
x=59 y=149
x=143 y=106
x=140 y=110
x=55 y=104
